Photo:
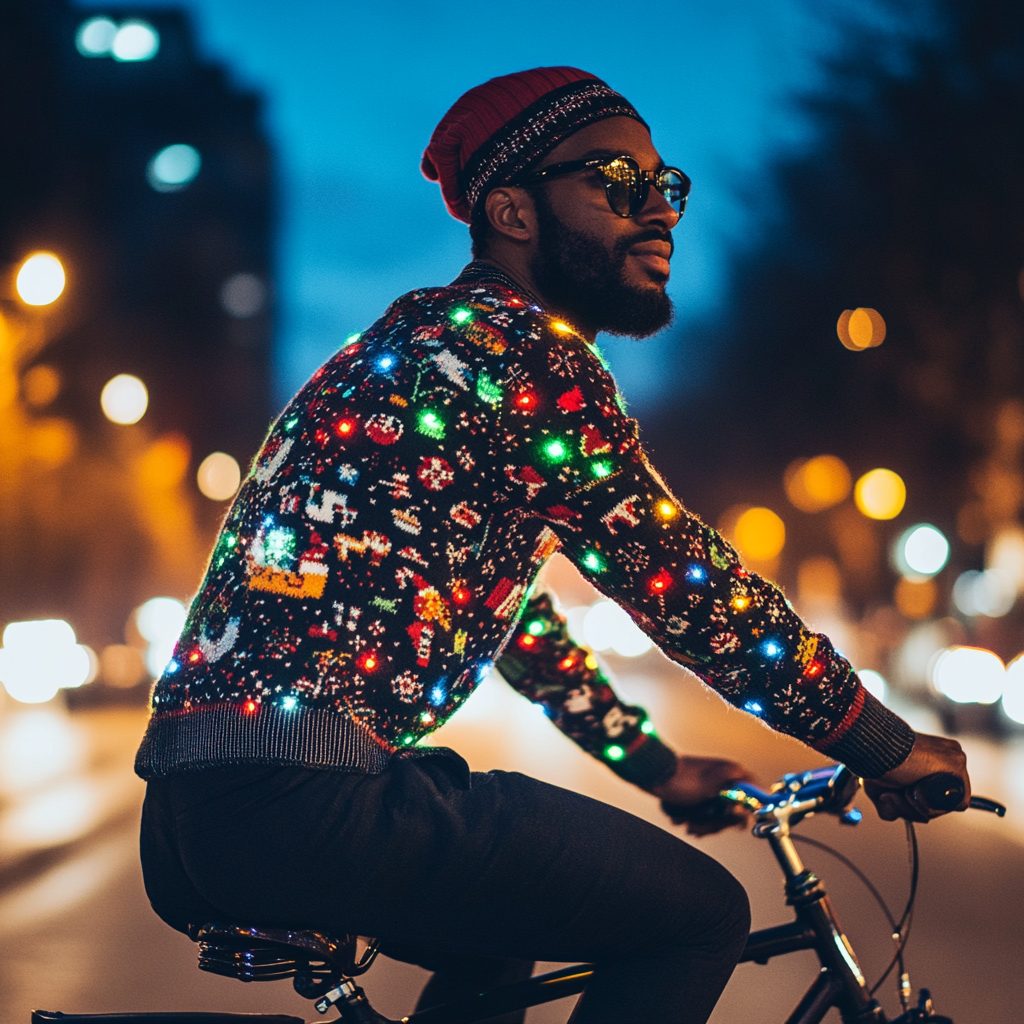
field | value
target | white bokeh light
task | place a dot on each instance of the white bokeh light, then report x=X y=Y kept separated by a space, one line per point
x=969 y=675
x=243 y=295
x=135 y=40
x=174 y=167
x=218 y=476
x=124 y=399
x=874 y=682
x=95 y=37
x=607 y=627
x=160 y=621
x=38 y=658
x=40 y=279
x=990 y=593
x=922 y=551
x=1013 y=690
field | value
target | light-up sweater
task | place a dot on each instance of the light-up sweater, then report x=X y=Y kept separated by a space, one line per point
x=377 y=559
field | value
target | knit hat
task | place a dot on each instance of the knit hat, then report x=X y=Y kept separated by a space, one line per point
x=497 y=130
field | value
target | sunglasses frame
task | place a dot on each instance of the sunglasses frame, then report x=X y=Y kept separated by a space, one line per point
x=638 y=196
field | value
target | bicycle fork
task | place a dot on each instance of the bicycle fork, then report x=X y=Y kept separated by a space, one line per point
x=841 y=982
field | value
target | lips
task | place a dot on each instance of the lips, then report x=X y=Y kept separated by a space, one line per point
x=654 y=255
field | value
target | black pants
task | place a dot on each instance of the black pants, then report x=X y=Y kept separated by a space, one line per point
x=473 y=876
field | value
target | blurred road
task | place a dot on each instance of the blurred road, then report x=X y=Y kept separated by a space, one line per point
x=77 y=933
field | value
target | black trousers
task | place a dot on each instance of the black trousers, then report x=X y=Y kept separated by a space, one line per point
x=474 y=876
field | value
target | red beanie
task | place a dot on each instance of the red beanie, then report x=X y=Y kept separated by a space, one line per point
x=496 y=131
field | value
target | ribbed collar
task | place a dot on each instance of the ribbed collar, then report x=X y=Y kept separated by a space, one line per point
x=482 y=272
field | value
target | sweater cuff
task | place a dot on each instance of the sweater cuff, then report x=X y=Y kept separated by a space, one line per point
x=646 y=764
x=871 y=740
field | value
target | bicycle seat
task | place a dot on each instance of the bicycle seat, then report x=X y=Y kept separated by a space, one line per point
x=315 y=961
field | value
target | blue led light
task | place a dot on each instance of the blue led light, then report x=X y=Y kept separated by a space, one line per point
x=697 y=573
x=288 y=703
x=772 y=649
x=437 y=695
x=385 y=362
x=172 y=667
x=753 y=707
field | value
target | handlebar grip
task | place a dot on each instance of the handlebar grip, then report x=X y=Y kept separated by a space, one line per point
x=982 y=803
x=940 y=792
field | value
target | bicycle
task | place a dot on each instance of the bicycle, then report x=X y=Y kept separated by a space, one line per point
x=323 y=968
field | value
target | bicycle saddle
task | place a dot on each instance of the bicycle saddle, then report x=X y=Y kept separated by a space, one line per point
x=315 y=961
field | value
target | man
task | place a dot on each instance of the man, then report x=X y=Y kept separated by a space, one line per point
x=379 y=558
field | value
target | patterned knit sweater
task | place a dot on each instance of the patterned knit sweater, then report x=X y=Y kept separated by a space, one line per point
x=379 y=556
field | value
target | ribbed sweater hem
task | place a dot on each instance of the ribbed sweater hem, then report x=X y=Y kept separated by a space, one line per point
x=218 y=735
x=871 y=740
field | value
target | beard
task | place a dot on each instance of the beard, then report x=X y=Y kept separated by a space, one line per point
x=586 y=280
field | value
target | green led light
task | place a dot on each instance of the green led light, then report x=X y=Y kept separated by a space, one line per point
x=601 y=469
x=408 y=739
x=460 y=316
x=647 y=728
x=592 y=560
x=352 y=339
x=427 y=718
x=555 y=450
x=487 y=391
x=288 y=703
x=535 y=628
x=290 y=425
x=431 y=424
x=614 y=752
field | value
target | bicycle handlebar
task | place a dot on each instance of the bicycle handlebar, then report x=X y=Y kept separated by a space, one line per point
x=944 y=791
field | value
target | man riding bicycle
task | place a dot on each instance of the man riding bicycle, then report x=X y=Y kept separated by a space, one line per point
x=379 y=560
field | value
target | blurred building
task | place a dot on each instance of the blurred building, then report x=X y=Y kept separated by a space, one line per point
x=148 y=174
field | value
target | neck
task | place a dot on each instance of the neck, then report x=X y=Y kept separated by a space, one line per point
x=519 y=271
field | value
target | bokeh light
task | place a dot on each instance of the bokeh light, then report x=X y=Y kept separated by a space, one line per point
x=991 y=593
x=39 y=658
x=915 y=598
x=219 y=476
x=135 y=40
x=165 y=462
x=860 y=329
x=40 y=279
x=122 y=666
x=174 y=167
x=819 y=581
x=760 y=534
x=95 y=37
x=874 y=682
x=921 y=551
x=159 y=621
x=124 y=399
x=969 y=675
x=40 y=385
x=1013 y=690
x=606 y=627
x=880 y=494
x=243 y=295
x=813 y=485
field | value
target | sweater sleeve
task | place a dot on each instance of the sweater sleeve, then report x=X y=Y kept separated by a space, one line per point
x=680 y=581
x=547 y=667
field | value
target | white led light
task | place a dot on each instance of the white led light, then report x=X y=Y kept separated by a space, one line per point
x=135 y=40
x=174 y=167
x=40 y=279
x=921 y=551
x=95 y=37
x=969 y=675
x=124 y=399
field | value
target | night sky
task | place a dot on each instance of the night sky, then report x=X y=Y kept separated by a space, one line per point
x=354 y=90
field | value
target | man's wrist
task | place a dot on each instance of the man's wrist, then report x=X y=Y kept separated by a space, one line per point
x=874 y=743
x=648 y=763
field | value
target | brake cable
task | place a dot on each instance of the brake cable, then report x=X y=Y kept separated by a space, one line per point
x=901 y=931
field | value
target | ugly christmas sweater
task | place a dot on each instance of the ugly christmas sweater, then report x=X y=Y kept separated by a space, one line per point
x=378 y=558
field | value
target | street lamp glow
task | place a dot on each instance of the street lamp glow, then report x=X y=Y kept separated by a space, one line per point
x=969 y=675
x=95 y=37
x=160 y=620
x=174 y=167
x=874 y=682
x=135 y=40
x=922 y=551
x=1013 y=692
x=40 y=279
x=219 y=476
x=124 y=399
x=880 y=494
x=39 y=658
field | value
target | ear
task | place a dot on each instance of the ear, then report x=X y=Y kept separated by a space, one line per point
x=511 y=213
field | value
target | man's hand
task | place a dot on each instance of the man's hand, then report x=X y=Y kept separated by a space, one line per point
x=930 y=754
x=698 y=780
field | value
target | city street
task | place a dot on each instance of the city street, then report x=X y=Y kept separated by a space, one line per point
x=77 y=933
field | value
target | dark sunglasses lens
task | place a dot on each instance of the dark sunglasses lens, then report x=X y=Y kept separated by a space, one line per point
x=621 y=185
x=675 y=187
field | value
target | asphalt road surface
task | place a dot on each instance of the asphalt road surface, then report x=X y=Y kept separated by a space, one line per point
x=76 y=932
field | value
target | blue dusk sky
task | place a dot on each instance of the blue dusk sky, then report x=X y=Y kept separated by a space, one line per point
x=353 y=91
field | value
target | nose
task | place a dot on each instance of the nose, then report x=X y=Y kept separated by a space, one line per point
x=658 y=211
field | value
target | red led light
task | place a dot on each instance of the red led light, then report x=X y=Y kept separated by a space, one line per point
x=194 y=656
x=526 y=640
x=527 y=400
x=249 y=707
x=460 y=595
x=660 y=583
x=814 y=669
x=567 y=662
x=345 y=428
x=370 y=662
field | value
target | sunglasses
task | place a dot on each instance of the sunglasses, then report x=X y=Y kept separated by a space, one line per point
x=626 y=186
